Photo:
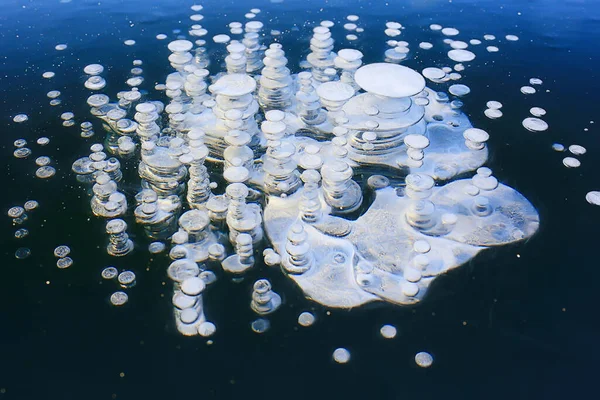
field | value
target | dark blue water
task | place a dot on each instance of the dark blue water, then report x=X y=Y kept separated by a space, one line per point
x=518 y=321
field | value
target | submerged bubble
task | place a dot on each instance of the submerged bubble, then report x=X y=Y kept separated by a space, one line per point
x=43 y=141
x=535 y=81
x=493 y=113
x=31 y=205
x=20 y=143
x=161 y=36
x=423 y=359
x=306 y=319
x=129 y=42
x=341 y=355
x=492 y=49
x=62 y=251
x=207 y=329
x=126 y=278
x=461 y=55
x=64 y=262
x=593 y=198
x=571 y=162
x=558 y=147
x=42 y=160
x=53 y=94
x=577 y=149
x=512 y=38
x=48 y=75
x=16 y=212
x=260 y=325
x=459 y=90
x=19 y=118
x=109 y=273
x=21 y=233
x=435 y=27
x=45 y=172
x=535 y=124
x=450 y=31
x=119 y=298
x=60 y=47
x=388 y=331
x=222 y=38
x=156 y=247
x=425 y=45
x=22 y=152
x=22 y=252
x=537 y=111
x=527 y=90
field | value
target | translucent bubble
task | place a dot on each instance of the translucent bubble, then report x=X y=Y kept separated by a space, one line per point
x=16 y=212
x=489 y=37
x=22 y=252
x=535 y=124
x=156 y=247
x=461 y=55
x=109 y=273
x=55 y=102
x=68 y=123
x=161 y=36
x=450 y=31
x=493 y=113
x=577 y=149
x=62 y=251
x=306 y=319
x=593 y=198
x=459 y=90
x=492 y=49
x=119 y=298
x=93 y=69
x=537 y=111
x=21 y=233
x=388 y=331
x=512 y=38
x=435 y=27
x=351 y=37
x=207 y=329
x=45 y=172
x=129 y=42
x=20 y=118
x=22 y=152
x=60 y=47
x=42 y=160
x=535 y=81
x=260 y=325
x=31 y=205
x=222 y=38
x=558 y=147
x=527 y=90
x=43 y=141
x=20 y=143
x=571 y=162
x=341 y=355
x=53 y=94
x=64 y=262
x=48 y=75
x=423 y=359
x=126 y=278
x=475 y=42
x=425 y=45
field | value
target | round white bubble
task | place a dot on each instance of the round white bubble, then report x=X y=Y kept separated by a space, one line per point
x=341 y=355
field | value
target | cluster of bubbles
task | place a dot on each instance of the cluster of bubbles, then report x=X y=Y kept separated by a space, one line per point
x=18 y=214
x=286 y=147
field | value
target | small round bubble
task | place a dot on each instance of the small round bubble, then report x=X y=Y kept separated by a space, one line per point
x=64 y=262
x=109 y=273
x=306 y=319
x=119 y=298
x=22 y=252
x=423 y=359
x=341 y=355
